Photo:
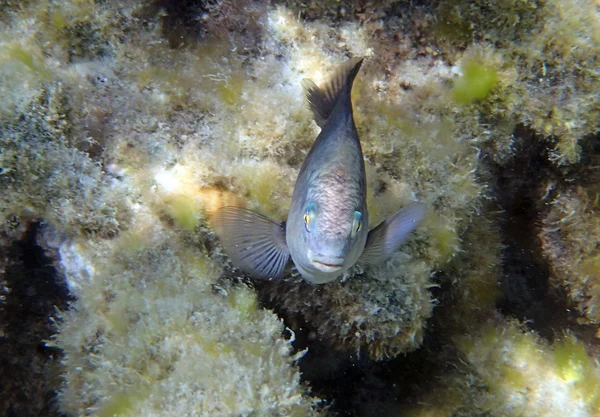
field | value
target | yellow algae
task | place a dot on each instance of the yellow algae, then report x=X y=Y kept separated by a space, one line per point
x=184 y=211
x=444 y=239
x=119 y=405
x=230 y=91
x=571 y=360
x=244 y=300
x=185 y=200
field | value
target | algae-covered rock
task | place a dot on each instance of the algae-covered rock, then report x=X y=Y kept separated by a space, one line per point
x=508 y=371
x=570 y=235
x=552 y=47
x=381 y=313
x=125 y=125
x=44 y=176
x=166 y=339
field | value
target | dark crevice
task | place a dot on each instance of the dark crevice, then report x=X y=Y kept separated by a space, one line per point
x=525 y=280
x=182 y=20
x=362 y=387
x=186 y=22
x=29 y=369
x=352 y=384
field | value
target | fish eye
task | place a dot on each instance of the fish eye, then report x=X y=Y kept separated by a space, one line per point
x=357 y=224
x=309 y=216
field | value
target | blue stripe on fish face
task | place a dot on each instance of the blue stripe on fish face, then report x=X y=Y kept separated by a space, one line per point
x=357 y=224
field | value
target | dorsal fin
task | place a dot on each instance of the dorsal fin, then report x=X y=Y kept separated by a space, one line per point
x=322 y=100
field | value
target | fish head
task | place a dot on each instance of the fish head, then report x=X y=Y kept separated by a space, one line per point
x=333 y=239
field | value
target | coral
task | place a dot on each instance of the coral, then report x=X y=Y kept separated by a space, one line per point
x=167 y=338
x=569 y=238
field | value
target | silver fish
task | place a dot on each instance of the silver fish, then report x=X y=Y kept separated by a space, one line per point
x=326 y=231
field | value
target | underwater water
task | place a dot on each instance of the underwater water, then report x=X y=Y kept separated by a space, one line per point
x=126 y=127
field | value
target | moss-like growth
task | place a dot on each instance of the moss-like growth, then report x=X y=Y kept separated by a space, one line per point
x=507 y=371
x=475 y=276
x=121 y=116
x=571 y=230
x=508 y=350
x=44 y=177
x=554 y=45
x=381 y=313
x=184 y=211
x=28 y=59
x=165 y=341
x=574 y=364
x=458 y=23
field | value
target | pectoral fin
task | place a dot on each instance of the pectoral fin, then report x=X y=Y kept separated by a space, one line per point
x=389 y=235
x=255 y=243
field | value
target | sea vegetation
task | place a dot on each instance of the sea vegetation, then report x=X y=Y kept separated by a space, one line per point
x=569 y=238
x=551 y=46
x=170 y=338
x=126 y=125
x=506 y=370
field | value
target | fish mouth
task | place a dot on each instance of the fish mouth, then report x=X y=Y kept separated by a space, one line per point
x=326 y=263
x=325 y=267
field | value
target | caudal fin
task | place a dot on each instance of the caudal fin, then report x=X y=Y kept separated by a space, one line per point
x=322 y=100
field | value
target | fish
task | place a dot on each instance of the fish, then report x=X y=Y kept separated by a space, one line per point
x=327 y=228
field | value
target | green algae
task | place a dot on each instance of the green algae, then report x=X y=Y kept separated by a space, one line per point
x=475 y=83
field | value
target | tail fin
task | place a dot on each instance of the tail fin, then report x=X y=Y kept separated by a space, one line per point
x=322 y=100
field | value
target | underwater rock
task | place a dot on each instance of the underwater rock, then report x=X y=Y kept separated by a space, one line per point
x=506 y=370
x=381 y=313
x=125 y=125
x=548 y=50
x=154 y=333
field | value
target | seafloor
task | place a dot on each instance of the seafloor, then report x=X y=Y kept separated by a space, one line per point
x=125 y=125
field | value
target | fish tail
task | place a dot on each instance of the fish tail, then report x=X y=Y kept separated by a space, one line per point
x=322 y=100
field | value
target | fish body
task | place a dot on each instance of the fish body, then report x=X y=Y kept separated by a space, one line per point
x=326 y=231
x=330 y=189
